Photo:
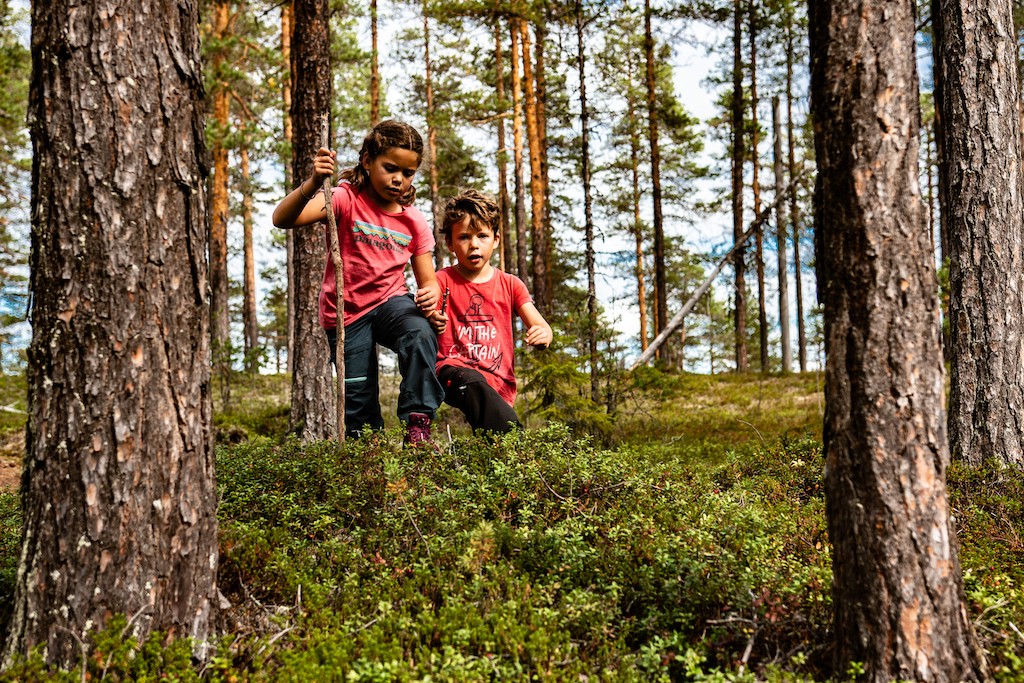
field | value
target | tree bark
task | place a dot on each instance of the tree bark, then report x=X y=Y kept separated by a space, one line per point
x=507 y=246
x=540 y=78
x=781 y=235
x=794 y=204
x=540 y=238
x=313 y=397
x=897 y=591
x=517 y=144
x=738 y=156
x=435 y=200
x=374 y=67
x=638 y=225
x=250 y=322
x=588 y=211
x=219 y=205
x=755 y=190
x=287 y=14
x=660 y=284
x=119 y=498
x=985 y=218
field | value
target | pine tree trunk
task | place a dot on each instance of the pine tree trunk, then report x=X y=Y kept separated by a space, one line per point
x=781 y=235
x=120 y=499
x=660 y=282
x=219 y=210
x=540 y=238
x=588 y=211
x=638 y=225
x=897 y=592
x=435 y=200
x=985 y=219
x=507 y=248
x=287 y=14
x=250 y=322
x=313 y=394
x=517 y=143
x=738 y=156
x=755 y=189
x=540 y=78
x=374 y=67
x=794 y=203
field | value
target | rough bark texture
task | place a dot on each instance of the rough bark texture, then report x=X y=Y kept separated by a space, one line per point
x=755 y=191
x=287 y=12
x=313 y=397
x=537 y=224
x=985 y=219
x=507 y=258
x=738 y=155
x=219 y=201
x=660 y=283
x=374 y=67
x=119 y=496
x=517 y=145
x=898 y=595
x=781 y=235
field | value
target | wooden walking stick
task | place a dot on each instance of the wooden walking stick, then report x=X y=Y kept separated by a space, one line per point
x=339 y=285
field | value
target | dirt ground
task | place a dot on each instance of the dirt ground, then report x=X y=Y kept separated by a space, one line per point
x=11 y=447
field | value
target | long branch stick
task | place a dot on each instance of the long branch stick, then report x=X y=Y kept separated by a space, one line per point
x=677 y=319
x=339 y=286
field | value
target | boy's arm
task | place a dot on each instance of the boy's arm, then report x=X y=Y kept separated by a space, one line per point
x=305 y=204
x=428 y=292
x=538 y=332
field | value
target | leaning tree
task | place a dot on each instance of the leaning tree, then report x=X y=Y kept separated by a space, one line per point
x=119 y=496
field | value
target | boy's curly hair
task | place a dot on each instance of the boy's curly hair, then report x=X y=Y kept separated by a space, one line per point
x=480 y=207
x=386 y=135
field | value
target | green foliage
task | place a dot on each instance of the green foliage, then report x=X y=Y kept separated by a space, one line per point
x=10 y=547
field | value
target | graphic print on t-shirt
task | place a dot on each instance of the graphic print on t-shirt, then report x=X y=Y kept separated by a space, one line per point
x=379 y=236
x=476 y=333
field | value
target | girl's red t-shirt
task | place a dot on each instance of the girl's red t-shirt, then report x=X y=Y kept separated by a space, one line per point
x=480 y=333
x=376 y=245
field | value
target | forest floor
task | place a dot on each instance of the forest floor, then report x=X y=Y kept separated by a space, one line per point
x=12 y=430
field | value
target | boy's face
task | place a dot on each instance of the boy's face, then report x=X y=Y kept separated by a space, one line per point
x=472 y=242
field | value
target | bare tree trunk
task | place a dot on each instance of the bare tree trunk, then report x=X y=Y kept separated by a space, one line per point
x=897 y=593
x=540 y=238
x=507 y=256
x=738 y=155
x=287 y=13
x=638 y=225
x=755 y=188
x=374 y=67
x=588 y=211
x=661 y=287
x=219 y=210
x=435 y=200
x=119 y=496
x=313 y=397
x=540 y=78
x=794 y=204
x=250 y=323
x=781 y=234
x=985 y=219
x=942 y=164
x=517 y=143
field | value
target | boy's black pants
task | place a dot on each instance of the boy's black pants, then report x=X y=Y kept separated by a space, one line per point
x=483 y=407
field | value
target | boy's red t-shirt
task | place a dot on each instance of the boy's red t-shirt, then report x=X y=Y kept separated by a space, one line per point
x=375 y=247
x=479 y=334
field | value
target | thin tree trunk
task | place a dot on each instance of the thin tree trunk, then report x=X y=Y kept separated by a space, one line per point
x=287 y=13
x=781 y=234
x=507 y=255
x=638 y=225
x=374 y=67
x=660 y=284
x=119 y=499
x=738 y=156
x=942 y=165
x=540 y=77
x=897 y=591
x=435 y=200
x=929 y=165
x=313 y=397
x=794 y=204
x=540 y=238
x=250 y=323
x=219 y=209
x=985 y=218
x=517 y=143
x=755 y=189
x=588 y=211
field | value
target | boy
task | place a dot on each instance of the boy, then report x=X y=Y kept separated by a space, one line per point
x=476 y=343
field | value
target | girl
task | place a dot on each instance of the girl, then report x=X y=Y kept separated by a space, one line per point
x=379 y=231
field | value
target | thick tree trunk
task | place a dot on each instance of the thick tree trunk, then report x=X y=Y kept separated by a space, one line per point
x=738 y=156
x=313 y=396
x=588 y=212
x=781 y=235
x=897 y=592
x=120 y=499
x=219 y=208
x=985 y=218
x=435 y=199
x=507 y=257
x=250 y=322
x=287 y=13
x=540 y=238
x=755 y=190
x=794 y=204
x=517 y=144
x=374 y=67
x=660 y=283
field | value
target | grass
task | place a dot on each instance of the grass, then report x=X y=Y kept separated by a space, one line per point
x=694 y=548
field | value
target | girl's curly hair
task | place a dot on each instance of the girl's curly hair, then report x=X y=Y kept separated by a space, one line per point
x=386 y=135
x=481 y=208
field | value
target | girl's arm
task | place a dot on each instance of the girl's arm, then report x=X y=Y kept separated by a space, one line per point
x=305 y=204
x=538 y=332
x=428 y=292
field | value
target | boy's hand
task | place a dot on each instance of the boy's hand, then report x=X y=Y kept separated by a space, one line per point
x=438 y=320
x=427 y=296
x=539 y=336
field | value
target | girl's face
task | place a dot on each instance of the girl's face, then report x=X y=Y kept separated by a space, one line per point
x=391 y=175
